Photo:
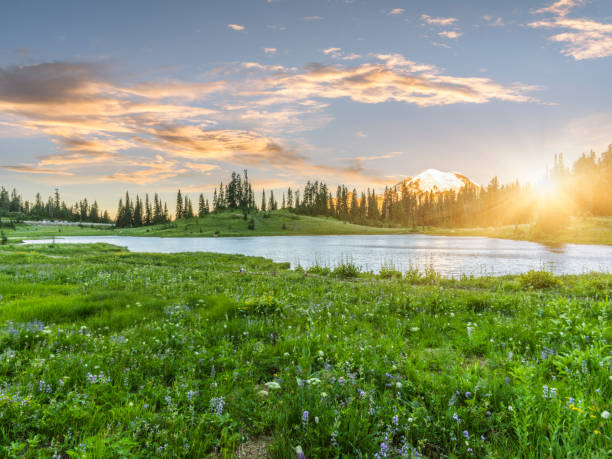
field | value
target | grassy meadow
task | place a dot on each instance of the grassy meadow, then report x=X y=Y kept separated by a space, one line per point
x=106 y=353
x=222 y=224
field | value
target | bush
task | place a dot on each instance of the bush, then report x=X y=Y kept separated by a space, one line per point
x=251 y=224
x=538 y=280
x=346 y=270
x=320 y=270
x=4 y=238
x=389 y=272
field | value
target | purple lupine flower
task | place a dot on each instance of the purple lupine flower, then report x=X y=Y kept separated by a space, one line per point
x=305 y=418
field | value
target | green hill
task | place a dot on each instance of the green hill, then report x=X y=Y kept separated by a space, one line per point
x=223 y=224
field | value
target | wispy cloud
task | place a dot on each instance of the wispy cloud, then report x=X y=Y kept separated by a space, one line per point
x=560 y=7
x=270 y=50
x=396 y=11
x=313 y=18
x=438 y=21
x=584 y=38
x=235 y=27
x=361 y=135
x=35 y=170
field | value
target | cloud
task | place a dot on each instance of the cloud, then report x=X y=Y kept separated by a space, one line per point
x=560 y=7
x=438 y=21
x=313 y=18
x=96 y=121
x=236 y=27
x=583 y=39
x=396 y=11
x=270 y=50
x=393 y=154
x=153 y=171
x=361 y=135
x=451 y=34
x=337 y=53
x=35 y=170
x=491 y=22
x=393 y=79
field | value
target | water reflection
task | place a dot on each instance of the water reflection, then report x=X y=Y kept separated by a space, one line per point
x=451 y=256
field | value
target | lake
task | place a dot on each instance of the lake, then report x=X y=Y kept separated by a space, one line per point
x=448 y=255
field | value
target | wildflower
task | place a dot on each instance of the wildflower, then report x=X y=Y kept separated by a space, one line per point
x=488 y=414
x=605 y=414
x=300 y=452
x=510 y=355
x=273 y=385
x=456 y=417
x=398 y=385
x=510 y=408
x=217 y=404
x=362 y=393
x=468 y=395
x=466 y=434
x=395 y=420
x=304 y=418
x=323 y=394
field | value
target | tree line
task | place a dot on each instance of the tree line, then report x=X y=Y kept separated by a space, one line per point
x=54 y=208
x=585 y=188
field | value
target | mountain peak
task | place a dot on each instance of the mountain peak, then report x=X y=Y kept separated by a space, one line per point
x=436 y=181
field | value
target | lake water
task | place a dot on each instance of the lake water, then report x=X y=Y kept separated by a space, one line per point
x=450 y=256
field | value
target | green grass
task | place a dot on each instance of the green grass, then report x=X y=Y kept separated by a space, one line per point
x=106 y=353
x=223 y=224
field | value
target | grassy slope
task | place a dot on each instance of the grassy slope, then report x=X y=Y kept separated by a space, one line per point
x=387 y=360
x=578 y=230
x=223 y=224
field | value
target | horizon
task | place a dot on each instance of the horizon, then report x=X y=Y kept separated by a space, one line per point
x=318 y=91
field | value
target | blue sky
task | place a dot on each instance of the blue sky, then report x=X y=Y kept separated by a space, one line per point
x=102 y=97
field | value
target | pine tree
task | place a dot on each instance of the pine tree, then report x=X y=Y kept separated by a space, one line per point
x=201 y=206
x=263 y=201
x=179 y=205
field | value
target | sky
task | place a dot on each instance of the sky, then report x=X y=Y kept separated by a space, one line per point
x=98 y=98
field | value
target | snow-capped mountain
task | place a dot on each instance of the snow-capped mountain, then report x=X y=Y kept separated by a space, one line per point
x=435 y=181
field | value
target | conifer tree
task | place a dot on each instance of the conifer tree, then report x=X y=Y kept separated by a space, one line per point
x=179 y=205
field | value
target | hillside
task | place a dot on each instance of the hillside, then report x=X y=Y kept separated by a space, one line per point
x=224 y=224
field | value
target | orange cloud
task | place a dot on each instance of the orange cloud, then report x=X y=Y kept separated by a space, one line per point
x=34 y=170
x=395 y=79
x=235 y=27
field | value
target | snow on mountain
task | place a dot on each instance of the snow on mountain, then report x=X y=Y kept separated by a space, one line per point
x=436 y=181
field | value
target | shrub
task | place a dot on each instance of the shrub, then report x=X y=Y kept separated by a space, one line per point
x=538 y=280
x=4 y=238
x=251 y=224
x=320 y=270
x=389 y=272
x=346 y=270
